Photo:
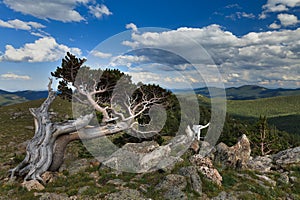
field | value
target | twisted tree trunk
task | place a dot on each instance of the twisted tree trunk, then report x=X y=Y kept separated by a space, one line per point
x=45 y=150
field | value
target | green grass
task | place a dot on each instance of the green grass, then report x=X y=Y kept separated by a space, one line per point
x=270 y=107
x=282 y=112
x=9 y=99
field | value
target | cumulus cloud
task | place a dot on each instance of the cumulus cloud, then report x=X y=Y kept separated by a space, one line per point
x=274 y=26
x=100 y=54
x=99 y=10
x=18 y=24
x=288 y=19
x=60 y=10
x=278 y=6
x=127 y=60
x=12 y=76
x=249 y=59
x=132 y=26
x=42 y=50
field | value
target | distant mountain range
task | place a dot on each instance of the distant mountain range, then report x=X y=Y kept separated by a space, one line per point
x=246 y=92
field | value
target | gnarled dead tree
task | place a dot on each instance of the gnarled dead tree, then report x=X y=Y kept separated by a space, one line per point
x=121 y=109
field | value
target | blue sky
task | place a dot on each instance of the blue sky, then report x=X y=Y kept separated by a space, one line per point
x=247 y=42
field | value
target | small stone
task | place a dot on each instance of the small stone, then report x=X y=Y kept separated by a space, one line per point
x=267 y=179
x=33 y=185
x=48 y=177
x=29 y=127
x=195 y=146
x=284 y=178
x=82 y=190
x=293 y=179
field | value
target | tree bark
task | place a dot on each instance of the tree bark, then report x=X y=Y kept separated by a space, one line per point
x=45 y=150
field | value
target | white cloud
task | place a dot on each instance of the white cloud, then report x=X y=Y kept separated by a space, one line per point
x=60 y=10
x=249 y=59
x=99 y=10
x=288 y=19
x=100 y=54
x=127 y=60
x=132 y=26
x=280 y=5
x=18 y=24
x=42 y=50
x=12 y=76
x=274 y=26
x=240 y=15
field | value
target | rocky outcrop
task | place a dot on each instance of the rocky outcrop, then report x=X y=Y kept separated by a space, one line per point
x=237 y=156
x=280 y=160
x=261 y=163
x=205 y=166
x=142 y=157
x=287 y=157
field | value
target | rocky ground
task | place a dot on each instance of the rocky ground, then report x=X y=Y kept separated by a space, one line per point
x=225 y=173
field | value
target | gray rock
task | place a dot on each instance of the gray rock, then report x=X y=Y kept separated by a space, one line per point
x=52 y=196
x=175 y=194
x=284 y=178
x=126 y=194
x=267 y=179
x=237 y=156
x=287 y=157
x=261 y=163
x=172 y=181
x=193 y=178
x=83 y=189
x=78 y=166
x=224 y=196
x=293 y=179
x=142 y=157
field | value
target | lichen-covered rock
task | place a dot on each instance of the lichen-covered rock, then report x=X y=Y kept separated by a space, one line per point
x=195 y=146
x=284 y=178
x=172 y=181
x=32 y=185
x=237 y=156
x=287 y=157
x=126 y=194
x=54 y=196
x=224 y=196
x=261 y=163
x=175 y=194
x=193 y=178
x=267 y=179
x=205 y=166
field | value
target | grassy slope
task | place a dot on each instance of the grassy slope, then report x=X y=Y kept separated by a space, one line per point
x=284 y=112
x=271 y=107
x=14 y=132
x=9 y=99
